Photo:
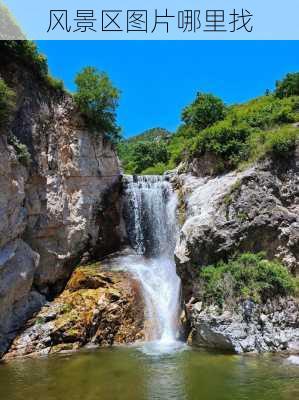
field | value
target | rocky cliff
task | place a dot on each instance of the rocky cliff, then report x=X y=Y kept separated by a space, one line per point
x=60 y=207
x=249 y=211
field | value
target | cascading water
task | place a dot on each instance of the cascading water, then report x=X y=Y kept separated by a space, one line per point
x=150 y=215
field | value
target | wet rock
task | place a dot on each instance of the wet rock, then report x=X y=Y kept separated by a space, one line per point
x=99 y=308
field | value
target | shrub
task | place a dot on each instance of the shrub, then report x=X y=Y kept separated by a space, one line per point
x=265 y=112
x=27 y=52
x=279 y=142
x=225 y=140
x=56 y=84
x=157 y=169
x=289 y=86
x=147 y=154
x=97 y=99
x=7 y=103
x=21 y=149
x=204 y=111
x=245 y=276
x=282 y=142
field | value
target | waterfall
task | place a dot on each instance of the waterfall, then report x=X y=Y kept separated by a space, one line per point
x=150 y=215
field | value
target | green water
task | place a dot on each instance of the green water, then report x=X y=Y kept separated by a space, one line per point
x=128 y=374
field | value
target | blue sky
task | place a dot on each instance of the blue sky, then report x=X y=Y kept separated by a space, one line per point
x=158 y=78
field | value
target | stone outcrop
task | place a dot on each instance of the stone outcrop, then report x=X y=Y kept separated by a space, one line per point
x=97 y=308
x=254 y=210
x=270 y=327
x=248 y=211
x=62 y=206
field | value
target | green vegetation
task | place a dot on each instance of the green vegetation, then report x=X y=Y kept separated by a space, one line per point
x=249 y=132
x=146 y=153
x=234 y=135
x=247 y=276
x=21 y=149
x=97 y=99
x=152 y=135
x=289 y=86
x=26 y=53
x=204 y=111
x=224 y=139
x=7 y=103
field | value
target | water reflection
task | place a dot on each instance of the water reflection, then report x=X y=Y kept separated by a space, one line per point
x=128 y=373
x=168 y=385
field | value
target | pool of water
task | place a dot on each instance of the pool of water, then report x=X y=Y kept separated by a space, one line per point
x=127 y=373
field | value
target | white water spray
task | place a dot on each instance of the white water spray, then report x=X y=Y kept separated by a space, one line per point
x=150 y=215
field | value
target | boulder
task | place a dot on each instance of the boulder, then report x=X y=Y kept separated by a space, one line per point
x=98 y=308
x=18 y=300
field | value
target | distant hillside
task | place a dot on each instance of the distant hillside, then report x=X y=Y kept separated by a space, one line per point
x=140 y=153
x=150 y=135
x=219 y=138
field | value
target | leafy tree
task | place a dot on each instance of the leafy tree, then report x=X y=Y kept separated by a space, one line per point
x=289 y=86
x=147 y=154
x=97 y=99
x=204 y=111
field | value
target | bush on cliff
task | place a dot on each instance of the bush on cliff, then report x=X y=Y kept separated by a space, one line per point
x=7 y=103
x=21 y=149
x=279 y=142
x=97 y=99
x=224 y=139
x=247 y=276
x=25 y=52
x=248 y=132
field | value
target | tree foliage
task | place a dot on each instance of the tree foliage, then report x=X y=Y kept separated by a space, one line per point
x=234 y=136
x=205 y=110
x=289 y=86
x=147 y=154
x=97 y=99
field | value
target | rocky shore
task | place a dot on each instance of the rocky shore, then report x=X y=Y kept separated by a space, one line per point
x=270 y=327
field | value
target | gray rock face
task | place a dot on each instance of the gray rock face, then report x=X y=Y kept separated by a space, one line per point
x=254 y=210
x=64 y=205
x=18 y=264
x=270 y=327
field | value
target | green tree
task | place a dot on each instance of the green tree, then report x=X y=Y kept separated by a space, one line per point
x=204 y=111
x=97 y=99
x=289 y=86
x=147 y=154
